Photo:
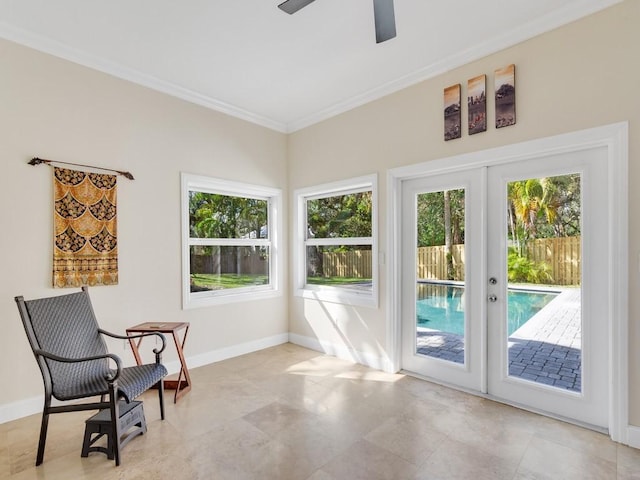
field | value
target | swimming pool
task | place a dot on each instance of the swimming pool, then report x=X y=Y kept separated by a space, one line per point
x=441 y=307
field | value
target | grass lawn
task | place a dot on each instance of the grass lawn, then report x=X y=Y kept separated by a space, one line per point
x=337 y=280
x=214 y=281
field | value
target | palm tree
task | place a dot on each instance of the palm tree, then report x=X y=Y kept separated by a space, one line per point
x=530 y=201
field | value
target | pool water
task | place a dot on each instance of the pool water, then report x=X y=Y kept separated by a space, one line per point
x=441 y=307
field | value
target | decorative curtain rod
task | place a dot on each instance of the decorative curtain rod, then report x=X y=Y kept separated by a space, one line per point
x=37 y=161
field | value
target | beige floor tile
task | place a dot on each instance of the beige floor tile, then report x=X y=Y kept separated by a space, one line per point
x=238 y=450
x=5 y=464
x=578 y=438
x=291 y=413
x=321 y=475
x=457 y=461
x=65 y=434
x=319 y=366
x=547 y=459
x=364 y=460
x=492 y=436
x=438 y=394
x=161 y=439
x=407 y=437
x=277 y=417
x=203 y=410
x=628 y=473
x=295 y=390
x=350 y=422
x=628 y=460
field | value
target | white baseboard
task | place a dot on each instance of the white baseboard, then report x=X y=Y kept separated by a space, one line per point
x=633 y=435
x=341 y=351
x=21 y=408
x=33 y=405
x=228 y=352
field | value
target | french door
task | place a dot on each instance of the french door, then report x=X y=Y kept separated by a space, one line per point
x=504 y=283
x=443 y=330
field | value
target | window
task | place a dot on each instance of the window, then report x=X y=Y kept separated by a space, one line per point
x=229 y=241
x=336 y=248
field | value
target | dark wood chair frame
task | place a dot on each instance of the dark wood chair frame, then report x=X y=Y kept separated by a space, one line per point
x=111 y=403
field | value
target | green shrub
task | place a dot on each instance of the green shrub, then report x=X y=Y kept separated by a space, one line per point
x=521 y=269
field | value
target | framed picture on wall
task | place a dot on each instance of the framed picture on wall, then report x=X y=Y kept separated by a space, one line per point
x=452 y=113
x=505 y=85
x=477 y=104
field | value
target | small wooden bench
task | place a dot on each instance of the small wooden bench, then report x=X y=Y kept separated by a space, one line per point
x=132 y=424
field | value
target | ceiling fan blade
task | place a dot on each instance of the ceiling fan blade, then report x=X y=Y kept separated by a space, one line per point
x=385 y=20
x=292 y=6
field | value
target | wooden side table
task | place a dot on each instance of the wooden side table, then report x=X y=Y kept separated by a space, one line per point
x=180 y=385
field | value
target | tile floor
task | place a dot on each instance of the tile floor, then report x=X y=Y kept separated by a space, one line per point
x=291 y=413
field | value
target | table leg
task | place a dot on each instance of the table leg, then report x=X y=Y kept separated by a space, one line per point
x=181 y=388
x=134 y=348
x=183 y=383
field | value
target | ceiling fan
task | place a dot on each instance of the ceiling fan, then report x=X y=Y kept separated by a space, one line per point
x=382 y=11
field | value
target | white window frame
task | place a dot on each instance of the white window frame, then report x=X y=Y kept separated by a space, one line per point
x=335 y=294
x=273 y=196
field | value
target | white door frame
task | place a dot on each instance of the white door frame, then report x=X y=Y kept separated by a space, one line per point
x=472 y=374
x=615 y=138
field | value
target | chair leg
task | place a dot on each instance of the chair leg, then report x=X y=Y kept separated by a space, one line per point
x=161 y=395
x=115 y=421
x=43 y=430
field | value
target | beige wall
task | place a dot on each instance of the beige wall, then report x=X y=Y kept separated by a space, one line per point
x=583 y=75
x=55 y=109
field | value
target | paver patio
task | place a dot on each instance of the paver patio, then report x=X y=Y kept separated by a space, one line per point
x=546 y=349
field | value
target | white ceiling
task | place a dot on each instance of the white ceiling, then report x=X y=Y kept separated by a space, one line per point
x=249 y=59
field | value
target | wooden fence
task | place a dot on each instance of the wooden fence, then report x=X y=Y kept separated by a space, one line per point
x=352 y=264
x=432 y=263
x=562 y=255
x=254 y=263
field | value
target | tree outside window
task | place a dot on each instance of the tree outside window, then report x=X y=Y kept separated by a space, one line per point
x=337 y=256
x=228 y=238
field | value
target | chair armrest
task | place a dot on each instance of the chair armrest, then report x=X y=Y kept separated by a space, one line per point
x=138 y=335
x=58 y=358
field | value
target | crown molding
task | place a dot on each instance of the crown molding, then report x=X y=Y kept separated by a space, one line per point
x=61 y=50
x=567 y=14
x=570 y=12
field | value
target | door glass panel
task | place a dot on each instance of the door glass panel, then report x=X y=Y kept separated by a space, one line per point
x=543 y=318
x=440 y=290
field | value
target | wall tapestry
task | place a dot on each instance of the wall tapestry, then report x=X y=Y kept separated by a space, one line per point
x=85 y=248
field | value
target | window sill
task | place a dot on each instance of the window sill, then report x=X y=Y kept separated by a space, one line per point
x=338 y=295
x=209 y=299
